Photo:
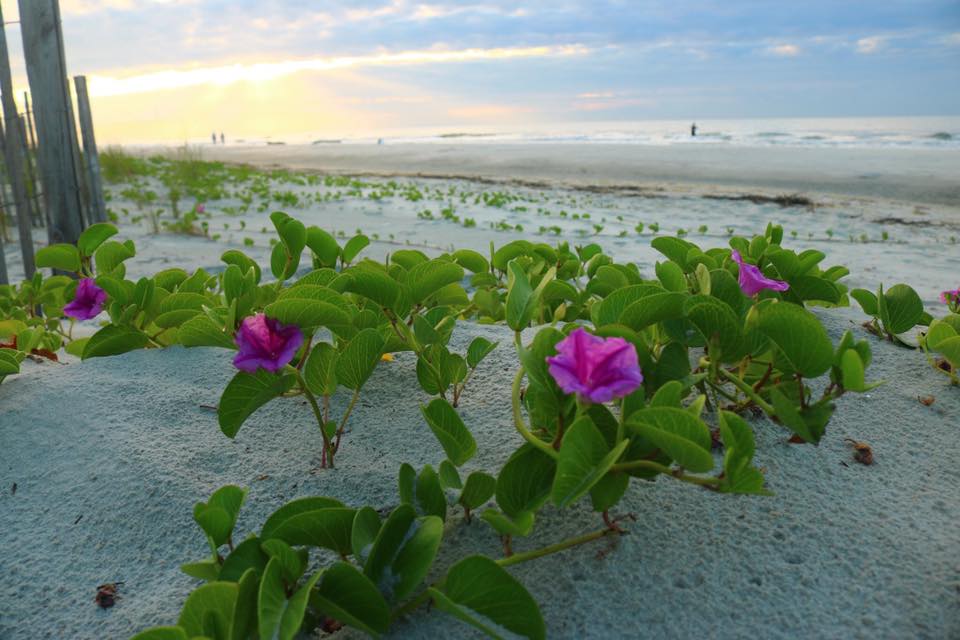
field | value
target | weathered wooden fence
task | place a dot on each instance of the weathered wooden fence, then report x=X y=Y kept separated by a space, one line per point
x=46 y=180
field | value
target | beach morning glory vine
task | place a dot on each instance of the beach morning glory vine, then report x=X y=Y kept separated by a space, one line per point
x=266 y=343
x=751 y=279
x=596 y=369
x=87 y=302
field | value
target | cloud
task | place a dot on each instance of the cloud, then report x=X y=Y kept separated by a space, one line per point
x=870 y=45
x=229 y=74
x=784 y=50
x=597 y=95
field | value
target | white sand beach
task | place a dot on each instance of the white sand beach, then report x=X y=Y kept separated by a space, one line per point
x=106 y=475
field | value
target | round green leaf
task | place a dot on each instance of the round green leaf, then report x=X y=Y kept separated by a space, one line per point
x=479 y=592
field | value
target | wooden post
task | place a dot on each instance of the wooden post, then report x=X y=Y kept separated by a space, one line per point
x=46 y=71
x=33 y=195
x=14 y=161
x=30 y=153
x=98 y=208
x=29 y=117
x=4 y=279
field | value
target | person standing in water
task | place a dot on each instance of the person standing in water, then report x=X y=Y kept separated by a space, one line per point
x=693 y=130
x=213 y=136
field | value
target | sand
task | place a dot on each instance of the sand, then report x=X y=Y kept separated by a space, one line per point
x=109 y=456
x=924 y=176
x=107 y=475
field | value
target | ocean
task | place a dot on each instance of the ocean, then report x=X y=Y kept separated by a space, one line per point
x=941 y=132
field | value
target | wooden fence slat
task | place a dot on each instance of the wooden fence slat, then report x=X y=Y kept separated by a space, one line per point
x=46 y=71
x=14 y=161
x=98 y=208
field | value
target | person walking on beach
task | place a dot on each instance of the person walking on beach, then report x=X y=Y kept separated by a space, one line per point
x=213 y=136
x=693 y=130
x=222 y=139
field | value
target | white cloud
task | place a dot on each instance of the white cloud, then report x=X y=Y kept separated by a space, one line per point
x=229 y=74
x=870 y=45
x=784 y=50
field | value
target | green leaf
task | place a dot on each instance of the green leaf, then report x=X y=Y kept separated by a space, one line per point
x=206 y=570
x=354 y=246
x=852 y=371
x=246 y=393
x=324 y=246
x=430 y=497
x=215 y=601
x=426 y=279
x=904 y=308
x=671 y=276
x=522 y=299
x=403 y=552
x=788 y=414
x=653 y=309
x=674 y=249
x=584 y=460
x=113 y=340
x=471 y=260
x=525 y=481
x=245 y=556
x=606 y=493
x=346 y=595
x=479 y=349
x=278 y=617
x=449 y=477
x=64 y=257
x=519 y=525
x=110 y=256
x=201 y=331
x=375 y=285
x=509 y=251
x=293 y=237
x=293 y=562
x=218 y=515
x=737 y=434
x=242 y=260
x=800 y=337
x=366 y=526
x=450 y=430
x=327 y=528
x=245 y=612
x=93 y=236
x=320 y=370
x=479 y=488
x=9 y=362
x=359 y=358
x=294 y=508
x=720 y=327
x=481 y=593
x=308 y=314
x=677 y=433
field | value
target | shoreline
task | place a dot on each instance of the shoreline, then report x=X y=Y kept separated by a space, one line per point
x=907 y=176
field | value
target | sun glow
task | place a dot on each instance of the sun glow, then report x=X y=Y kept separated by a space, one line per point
x=259 y=72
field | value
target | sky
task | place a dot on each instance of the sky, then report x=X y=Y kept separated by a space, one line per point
x=176 y=69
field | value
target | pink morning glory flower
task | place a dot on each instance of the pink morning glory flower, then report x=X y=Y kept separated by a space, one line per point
x=266 y=343
x=200 y=208
x=752 y=281
x=597 y=369
x=87 y=301
x=951 y=299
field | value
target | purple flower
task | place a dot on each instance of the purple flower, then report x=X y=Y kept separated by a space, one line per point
x=87 y=301
x=951 y=299
x=199 y=208
x=752 y=281
x=596 y=369
x=265 y=342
